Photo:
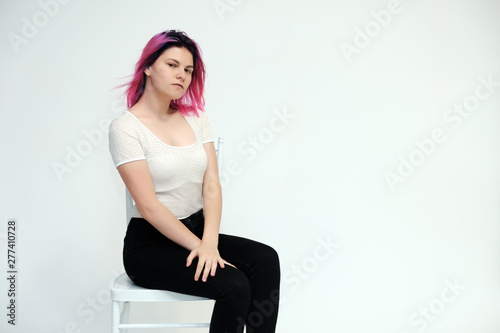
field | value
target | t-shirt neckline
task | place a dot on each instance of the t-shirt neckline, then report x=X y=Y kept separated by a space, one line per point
x=170 y=146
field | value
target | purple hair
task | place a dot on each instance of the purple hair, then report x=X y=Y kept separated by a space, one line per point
x=193 y=99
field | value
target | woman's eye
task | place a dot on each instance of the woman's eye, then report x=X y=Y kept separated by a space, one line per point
x=188 y=71
x=171 y=65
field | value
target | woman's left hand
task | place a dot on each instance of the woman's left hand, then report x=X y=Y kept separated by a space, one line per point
x=208 y=259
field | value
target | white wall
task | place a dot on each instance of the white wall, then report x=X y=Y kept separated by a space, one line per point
x=359 y=253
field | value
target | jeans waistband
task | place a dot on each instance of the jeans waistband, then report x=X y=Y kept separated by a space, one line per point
x=191 y=220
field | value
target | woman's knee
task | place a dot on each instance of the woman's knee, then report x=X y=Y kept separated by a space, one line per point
x=269 y=256
x=235 y=287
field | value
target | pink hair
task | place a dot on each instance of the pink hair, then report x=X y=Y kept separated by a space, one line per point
x=193 y=99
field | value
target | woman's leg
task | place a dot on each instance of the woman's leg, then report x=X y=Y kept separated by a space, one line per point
x=248 y=294
x=153 y=261
x=260 y=264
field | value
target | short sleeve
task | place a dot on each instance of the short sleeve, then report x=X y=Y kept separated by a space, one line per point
x=206 y=130
x=124 y=143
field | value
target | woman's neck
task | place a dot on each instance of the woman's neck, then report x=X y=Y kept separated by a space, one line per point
x=154 y=105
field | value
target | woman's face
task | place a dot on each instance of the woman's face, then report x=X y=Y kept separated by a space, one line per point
x=171 y=74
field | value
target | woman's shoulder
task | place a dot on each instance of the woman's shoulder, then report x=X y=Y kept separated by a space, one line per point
x=128 y=117
x=124 y=122
x=202 y=124
x=125 y=116
x=198 y=117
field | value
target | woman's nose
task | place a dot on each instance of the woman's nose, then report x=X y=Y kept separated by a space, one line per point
x=181 y=74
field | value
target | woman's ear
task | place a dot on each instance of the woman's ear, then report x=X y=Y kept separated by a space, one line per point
x=147 y=71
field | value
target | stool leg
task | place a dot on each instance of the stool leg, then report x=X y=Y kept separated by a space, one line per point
x=116 y=317
x=125 y=314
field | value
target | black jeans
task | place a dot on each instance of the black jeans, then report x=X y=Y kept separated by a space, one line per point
x=248 y=295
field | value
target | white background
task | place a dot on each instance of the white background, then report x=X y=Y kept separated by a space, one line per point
x=318 y=177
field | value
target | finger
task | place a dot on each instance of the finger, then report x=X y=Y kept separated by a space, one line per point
x=230 y=264
x=190 y=258
x=214 y=267
x=199 y=269
x=206 y=271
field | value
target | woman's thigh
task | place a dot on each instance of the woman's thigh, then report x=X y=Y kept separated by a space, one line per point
x=163 y=266
x=248 y=255
x=154 y=261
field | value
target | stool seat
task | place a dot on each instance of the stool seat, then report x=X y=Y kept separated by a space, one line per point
x=125 y=289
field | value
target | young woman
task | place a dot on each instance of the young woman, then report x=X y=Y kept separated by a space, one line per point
x=163 y=149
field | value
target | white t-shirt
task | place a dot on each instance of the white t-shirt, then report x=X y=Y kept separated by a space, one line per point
x=177 y=172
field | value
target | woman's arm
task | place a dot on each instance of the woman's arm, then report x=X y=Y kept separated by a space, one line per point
x=138 y=180
x=207 y=253
x=212 y=197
